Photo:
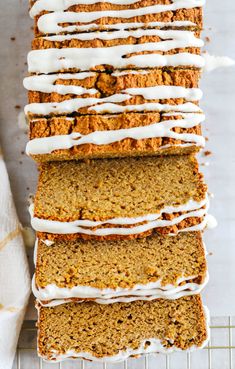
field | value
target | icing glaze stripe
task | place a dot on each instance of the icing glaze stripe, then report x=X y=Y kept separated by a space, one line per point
x=114 y=108
x=53 y=60
x=47 y=145
x=191 y=209
x=111 y=103
x=104 y=105
x=57 y=295
x=50 y=24
x=126 y=299
x=62 y=5
x=172 y=38
x=188 y=206
x=46 y=84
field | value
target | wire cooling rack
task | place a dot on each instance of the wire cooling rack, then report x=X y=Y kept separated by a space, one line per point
x=217 y=355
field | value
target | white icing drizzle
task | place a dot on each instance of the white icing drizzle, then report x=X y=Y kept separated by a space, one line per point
x=47 y=145
x=49 y=24
x=53 y=60
x=56 y=295
x=155 y=346
x=214 y=62
x=114 y=108
x=35 y=252
x=46 y=83
x=110 y=103
x=157 y=295
x=191 y=209
x=172 y=38
x=28 y=237
x=212 y=222
x=165 y=92
x=69 y=106
x=126 y=72
x=63 y=5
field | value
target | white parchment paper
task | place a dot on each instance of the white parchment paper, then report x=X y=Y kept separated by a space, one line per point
x=219 y=105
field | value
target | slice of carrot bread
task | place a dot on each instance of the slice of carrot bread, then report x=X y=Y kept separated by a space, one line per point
x=114 y=135
x=125 y=270
x=166 y=41
x=163 y=86
x=136 y=49
x=127 y=197
x=53 y=18
x=120 y=133
x=99 y=93
x=115 y=332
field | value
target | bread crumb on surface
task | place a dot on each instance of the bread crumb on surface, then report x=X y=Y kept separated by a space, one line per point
x=207 y=153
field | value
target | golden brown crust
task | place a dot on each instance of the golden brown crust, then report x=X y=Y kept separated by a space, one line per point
x=193 y=15
x=189 y=222
x=180 y=323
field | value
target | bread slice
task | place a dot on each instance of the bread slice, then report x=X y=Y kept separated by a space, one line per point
x=128 y=37
x=161 y=86
x=125 y=15
x=114 y=135
x=136 y=49
x=131 y=129
x=114 y=332
x=116 y=198
x=125 y=270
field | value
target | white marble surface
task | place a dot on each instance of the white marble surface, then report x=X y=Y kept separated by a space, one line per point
x=219 y=105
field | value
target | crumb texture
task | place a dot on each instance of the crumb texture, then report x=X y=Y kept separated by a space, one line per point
x=105 y=330
x=106 y=189
x=110 y=264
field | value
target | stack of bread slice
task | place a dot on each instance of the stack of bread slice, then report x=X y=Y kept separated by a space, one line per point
x=121 y=205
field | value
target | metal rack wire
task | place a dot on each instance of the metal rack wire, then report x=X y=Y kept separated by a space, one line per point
x=217 y=355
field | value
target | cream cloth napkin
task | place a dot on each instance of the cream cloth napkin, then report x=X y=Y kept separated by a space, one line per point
x=14 y=273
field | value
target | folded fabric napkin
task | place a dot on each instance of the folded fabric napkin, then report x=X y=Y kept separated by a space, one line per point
x=14 y=273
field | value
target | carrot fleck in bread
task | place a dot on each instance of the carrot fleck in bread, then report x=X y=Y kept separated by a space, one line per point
x=119 y=197
x=116 y=331
x=125 y=270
